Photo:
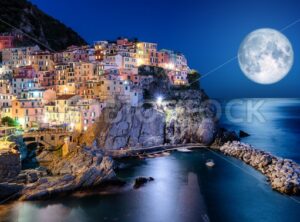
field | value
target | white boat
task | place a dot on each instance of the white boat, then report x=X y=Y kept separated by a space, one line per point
x=210 y=163
x=166 y=153
x=183 y=150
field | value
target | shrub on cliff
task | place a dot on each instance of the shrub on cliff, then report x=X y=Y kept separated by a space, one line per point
x=194 y=79
x=9 y=121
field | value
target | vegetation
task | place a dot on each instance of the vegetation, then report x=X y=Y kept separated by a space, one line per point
x=153 y=71
x=9 y=121
x=194 y=80
x=147 y=105
x=44 y=28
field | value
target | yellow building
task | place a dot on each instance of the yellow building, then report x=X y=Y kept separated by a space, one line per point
x=146 y=54
x=42 y=61
x=61 y=112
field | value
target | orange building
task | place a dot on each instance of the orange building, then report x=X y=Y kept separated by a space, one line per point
x=6 y=41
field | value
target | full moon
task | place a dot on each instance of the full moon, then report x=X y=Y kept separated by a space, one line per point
x=265 y=56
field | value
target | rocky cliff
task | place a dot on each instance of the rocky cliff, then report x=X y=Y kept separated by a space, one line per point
x=188 y=119
x=10 y=165
x=81 y=168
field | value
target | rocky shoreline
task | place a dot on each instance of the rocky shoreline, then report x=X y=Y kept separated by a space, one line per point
x=81 y=168
x=282 y=174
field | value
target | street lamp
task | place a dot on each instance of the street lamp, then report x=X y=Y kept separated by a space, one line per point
x=159 y=100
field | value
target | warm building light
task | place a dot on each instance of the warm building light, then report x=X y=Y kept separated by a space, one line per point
x=169 y=66
x=140 y=62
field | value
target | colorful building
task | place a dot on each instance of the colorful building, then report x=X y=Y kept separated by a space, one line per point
x=28 y=112
x=42 y=61
x=15 y=57
x=6 y=41
x=24 y=78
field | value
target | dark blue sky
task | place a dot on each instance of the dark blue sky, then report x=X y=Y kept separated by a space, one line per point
x=208 y=32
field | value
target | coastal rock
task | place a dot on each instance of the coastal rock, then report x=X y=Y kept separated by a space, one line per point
x=180 y=121
x=79 y=169
x=124 y=126
x=9 y=190
x=243 y=134
x=282 y=174
x=223 y=135
x=140 y=181
x=10 y=164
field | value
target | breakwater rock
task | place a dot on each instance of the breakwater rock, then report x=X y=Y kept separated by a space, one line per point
x=282 y=174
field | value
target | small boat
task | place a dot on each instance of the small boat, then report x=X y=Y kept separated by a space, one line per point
x=166 y=153
x=141 y=157
x=183 y=150
x=150 y=156
x=210 y=163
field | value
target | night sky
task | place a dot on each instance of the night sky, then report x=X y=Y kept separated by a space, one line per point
x=208 y=32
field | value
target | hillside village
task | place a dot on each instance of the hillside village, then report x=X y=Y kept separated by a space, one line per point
x=68 y=89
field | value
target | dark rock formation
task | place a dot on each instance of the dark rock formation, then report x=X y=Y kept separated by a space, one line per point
x=223 y=136
x=189 y=119
x=9 y=190
x=140 y=181
x=243 y=134
x=82 y=168
x=10 y=165
x=124 y=126
x=283 y=174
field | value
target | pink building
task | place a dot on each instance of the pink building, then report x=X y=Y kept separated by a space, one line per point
x=28 y=112
x=90 y=110
x=46 y=80
x=6 y=41
x=24 y=78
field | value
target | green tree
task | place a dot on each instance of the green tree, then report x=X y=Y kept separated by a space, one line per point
x=194 y=79
x=8 y=121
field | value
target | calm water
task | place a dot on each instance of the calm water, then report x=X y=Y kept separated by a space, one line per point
x=185 y=189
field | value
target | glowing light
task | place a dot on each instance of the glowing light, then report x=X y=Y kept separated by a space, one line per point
x=159 y=100
x=35 y=94
x=140 y=62
x=169 y=66
x=85 y=128
x=20 y=121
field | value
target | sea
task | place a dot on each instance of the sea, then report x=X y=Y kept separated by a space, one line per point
x=184 y=188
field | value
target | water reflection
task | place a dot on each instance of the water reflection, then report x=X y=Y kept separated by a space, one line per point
x=279 y=134
x=181 y=182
